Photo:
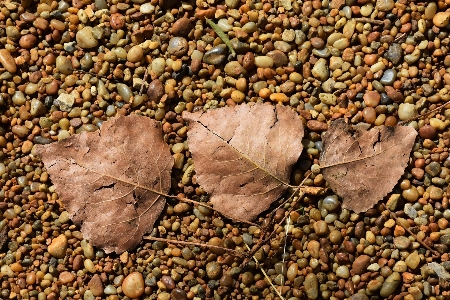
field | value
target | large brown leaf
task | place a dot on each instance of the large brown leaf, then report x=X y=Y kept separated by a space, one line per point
x=112 y=181
x=363 y=166
x=243 y=155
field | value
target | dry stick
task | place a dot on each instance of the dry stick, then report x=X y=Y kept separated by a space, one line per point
x=411 y=233
x=234 y=252
x=427 y=113
x=367 y=20
x=265 y=275
x=144 y=82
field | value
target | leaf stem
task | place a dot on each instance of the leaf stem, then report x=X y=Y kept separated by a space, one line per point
x=223 y=36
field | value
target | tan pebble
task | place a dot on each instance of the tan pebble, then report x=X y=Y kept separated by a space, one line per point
x=7 y=61
x=66 y=277
x=58 y=246
x=27 y=146
x=237 y=96
x=279 y=97
x=135 y=54
x=133 y=285
x=441 y=19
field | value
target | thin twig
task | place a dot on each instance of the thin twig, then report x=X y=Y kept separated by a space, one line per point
x=90 y=73
x=265 y=275
x=234 y=252
x=411 y=233
x=425 y=114
x=144 y=82
x=371 y=21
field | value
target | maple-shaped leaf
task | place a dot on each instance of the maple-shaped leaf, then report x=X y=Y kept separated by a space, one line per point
x=362 y=167
x=112 y=181
x=243 y=155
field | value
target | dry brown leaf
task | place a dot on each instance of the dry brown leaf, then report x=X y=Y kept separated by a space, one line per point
x=243 y=155
x=112 y=181
x=363 y=167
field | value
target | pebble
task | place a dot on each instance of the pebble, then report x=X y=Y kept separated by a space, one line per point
x=394 y=53
x=360 y=264
x=135 y=54
x=85 y=38
x=178 y=46
x=320 y=70
x=441 y=19
x=213 y=270
x=385 y=5
x=390 y=285
x=406 y=111
x=402 y=242
x=216 y=55
x=413 y=260
x=96 y=286
x=155 y=90
x=234 y=69
x=311 y=286
x=7 y=61
x=388 y=77
x=58 y=246
x=133 y=285
x=263 y=61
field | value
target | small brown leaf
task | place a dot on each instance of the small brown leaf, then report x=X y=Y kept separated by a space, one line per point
x=112 y=181
x=243 y=155
x=364 y=166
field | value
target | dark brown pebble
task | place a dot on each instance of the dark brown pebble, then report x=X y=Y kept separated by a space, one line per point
x=77 y=263
x=155 y=90
x=182 y=27
x=360 y=264
x=427 y=132
x=314 y=125
x=168 y=282
x=178 y=294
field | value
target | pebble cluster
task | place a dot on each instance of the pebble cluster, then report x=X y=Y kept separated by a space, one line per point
x=68 y=66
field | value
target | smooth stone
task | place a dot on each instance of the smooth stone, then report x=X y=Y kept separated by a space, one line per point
x=238 y=46
x=360 y=264
x=342 y=272
x=441 y=19
x=430 y=11
x=234 y=69
x=388 y=77
x=65 y=102
x=7 y=61
x=323 y=53
x=413 y=260
x=135 y=54
x=385 y=5
x=158 y=66
x=96 y=286
x=341 y=44
x=292 y=271
x=402 y=242
x=155 y=90
x=37 y=108
x=320 y=70
x=124 y=91
x=330 y=203
x=390 y=285
x=406 y=111
x=110 y=290
x=263 y=62
x=216 y=55
x=279 y=58
x=58 y=246
x=64 y=65
x=100 y=4
x=178 y=46
x=213 y=270
x=85 y=39
x=133 y=285
x=182 y=27
x=282 y=46
x=178 y=294
x=146 y=8
x=311 y=286
x=224 y=25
